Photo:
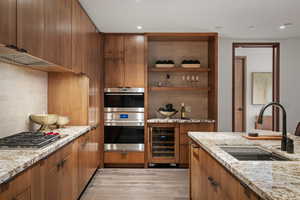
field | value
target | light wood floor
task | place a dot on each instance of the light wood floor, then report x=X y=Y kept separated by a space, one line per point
x=138 y=184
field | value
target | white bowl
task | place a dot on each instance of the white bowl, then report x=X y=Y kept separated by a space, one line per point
x=44 y=119
x=62 y=121
x=167 y=114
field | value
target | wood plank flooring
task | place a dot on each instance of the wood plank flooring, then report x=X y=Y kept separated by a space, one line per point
x=138 y=184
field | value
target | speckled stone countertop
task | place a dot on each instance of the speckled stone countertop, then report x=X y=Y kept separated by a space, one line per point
x=14 y=161
x=160 y=120
x=271 y=180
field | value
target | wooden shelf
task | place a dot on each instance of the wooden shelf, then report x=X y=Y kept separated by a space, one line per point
x=178 y=89
x=179 y=69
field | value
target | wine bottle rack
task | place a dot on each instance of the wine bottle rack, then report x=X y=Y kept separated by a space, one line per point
x=164 y=144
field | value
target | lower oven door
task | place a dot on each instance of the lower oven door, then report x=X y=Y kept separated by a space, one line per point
x=124 y=138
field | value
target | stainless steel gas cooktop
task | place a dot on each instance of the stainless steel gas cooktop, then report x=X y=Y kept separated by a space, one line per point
x=30 y=140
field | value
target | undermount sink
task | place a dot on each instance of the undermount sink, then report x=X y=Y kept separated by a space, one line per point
x=252 y=153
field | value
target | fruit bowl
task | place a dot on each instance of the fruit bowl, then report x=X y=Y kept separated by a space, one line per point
x=167 y=114
x=45 y=120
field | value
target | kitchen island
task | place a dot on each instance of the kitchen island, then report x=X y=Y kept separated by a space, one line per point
x=271 y=180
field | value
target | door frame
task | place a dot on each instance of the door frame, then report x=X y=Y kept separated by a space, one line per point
x=276 y=75
x=244 y=58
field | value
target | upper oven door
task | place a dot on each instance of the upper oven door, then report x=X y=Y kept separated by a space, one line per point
x=121 y=99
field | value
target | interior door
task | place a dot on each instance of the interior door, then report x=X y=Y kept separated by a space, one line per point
x=239 y=106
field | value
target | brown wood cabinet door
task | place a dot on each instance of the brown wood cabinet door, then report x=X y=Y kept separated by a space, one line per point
x=195 y=176
x=52 y=183
x=58 y=32
x=67 y=179
x=31 y=26
x=184 y=139
x=8 y=22
x=114 y=73
x=134 y=62
x=83 y=162
x=114 y=47
x=24 y=195
x=77 y=37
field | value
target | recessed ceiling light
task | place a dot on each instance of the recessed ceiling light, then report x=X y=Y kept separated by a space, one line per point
x=139 y=27
x=284 y=26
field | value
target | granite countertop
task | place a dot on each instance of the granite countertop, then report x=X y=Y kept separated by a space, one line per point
x=14 y=161
x=160 y=120
x=271 y=180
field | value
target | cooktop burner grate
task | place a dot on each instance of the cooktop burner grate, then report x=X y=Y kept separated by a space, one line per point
x=27 y=140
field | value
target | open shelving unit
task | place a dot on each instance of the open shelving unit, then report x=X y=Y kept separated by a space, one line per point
x=181 y=86
x=196 y=87
x=179 y=69
x=179 y=89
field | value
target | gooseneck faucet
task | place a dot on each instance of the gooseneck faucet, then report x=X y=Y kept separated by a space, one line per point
x=284 y=134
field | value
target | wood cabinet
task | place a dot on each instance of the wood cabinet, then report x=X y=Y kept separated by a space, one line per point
x=25 y=186
x=22 y=25
x=88 y=157
x=58 y=32
x=78 y=42
x=184 y=139
x=134 y=61
x=124 y=60
x=179 y=145
x=124 y=157
x=61 y=174
x=210 y=180
x=8 y=21
x=114 y=47
x=31 y=27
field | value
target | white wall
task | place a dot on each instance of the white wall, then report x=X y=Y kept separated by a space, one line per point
x=258 y=60
x=289 y=76
x=22 y=92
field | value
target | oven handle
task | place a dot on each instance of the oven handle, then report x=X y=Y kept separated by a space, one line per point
x=124 y=94
x=124 y=124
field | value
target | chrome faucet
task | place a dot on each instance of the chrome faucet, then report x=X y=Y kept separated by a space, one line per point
x=284 y=134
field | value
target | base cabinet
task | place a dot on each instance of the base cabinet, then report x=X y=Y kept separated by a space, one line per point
x=124 y=157
x=211 y=181
x=61 y=176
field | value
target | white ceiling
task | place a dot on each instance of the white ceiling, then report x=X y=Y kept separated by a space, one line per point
x=235 y=16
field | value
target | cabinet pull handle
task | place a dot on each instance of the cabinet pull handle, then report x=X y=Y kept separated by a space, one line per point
x=214 y=183
x=23 y=50
x=12 y=46
x=247 y=190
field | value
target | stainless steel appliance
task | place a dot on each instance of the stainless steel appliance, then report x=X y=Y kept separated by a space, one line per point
x=124 y=119
x=28 y=140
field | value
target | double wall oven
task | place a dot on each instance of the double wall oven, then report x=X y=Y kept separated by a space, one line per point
x=124 y=119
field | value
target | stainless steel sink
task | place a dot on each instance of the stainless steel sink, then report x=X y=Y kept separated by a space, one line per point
x=252 y=153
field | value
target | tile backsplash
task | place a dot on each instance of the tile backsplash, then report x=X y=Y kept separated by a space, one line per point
x=22 y=92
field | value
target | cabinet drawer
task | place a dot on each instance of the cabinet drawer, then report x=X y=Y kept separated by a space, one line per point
x=200 y=127
x=124 y=157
